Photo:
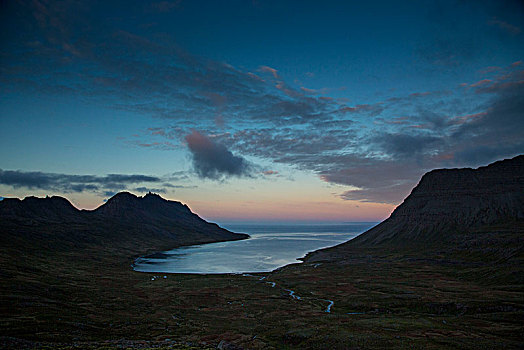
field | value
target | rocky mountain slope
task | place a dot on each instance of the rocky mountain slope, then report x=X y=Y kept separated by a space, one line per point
x=448 y=203
x=53 y=222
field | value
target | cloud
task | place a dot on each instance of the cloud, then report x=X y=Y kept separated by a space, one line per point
x=405 y=145
x=393 y=194
x=213 y=160
x=147 y=189
x=372 y=110
x=270 y=70
x=508 y=27
x=481 y=83
x=506 y=82
x=165 y=6
x=496 y=132
x=72 y=183
x=375 y=180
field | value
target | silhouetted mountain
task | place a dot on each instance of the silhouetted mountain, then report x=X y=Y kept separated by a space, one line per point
x=30 y=209
x=125 y=206
x=53 y=222
x=448 y=204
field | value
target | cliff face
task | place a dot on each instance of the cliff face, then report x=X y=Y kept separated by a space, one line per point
x=445 y=204
x=454 y=200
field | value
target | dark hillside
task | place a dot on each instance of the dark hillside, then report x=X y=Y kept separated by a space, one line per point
x=53 y=223
x=447 y=208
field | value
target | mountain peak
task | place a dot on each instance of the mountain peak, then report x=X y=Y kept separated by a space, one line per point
x=131 y=207
x=123 y=196
x=446 y=205
x=455 y=200
x=53 y=208
x=153 y=196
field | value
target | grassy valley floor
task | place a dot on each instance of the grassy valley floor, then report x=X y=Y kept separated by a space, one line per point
x=460 y=298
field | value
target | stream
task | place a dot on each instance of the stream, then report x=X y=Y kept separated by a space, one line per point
x=291 y=292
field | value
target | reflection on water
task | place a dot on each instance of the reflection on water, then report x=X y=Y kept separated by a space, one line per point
x=270 y=247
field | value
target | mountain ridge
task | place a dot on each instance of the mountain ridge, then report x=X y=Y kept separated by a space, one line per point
x=124 y=216
x=446 y=203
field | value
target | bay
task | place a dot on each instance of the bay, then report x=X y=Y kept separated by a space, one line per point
x=271 y=246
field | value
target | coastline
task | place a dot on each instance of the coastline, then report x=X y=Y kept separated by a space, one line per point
x=274 y=246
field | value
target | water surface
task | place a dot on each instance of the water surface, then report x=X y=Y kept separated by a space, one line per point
x=270 y=246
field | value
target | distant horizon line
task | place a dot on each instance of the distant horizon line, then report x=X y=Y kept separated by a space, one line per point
x=291 y=222
x=218 y=220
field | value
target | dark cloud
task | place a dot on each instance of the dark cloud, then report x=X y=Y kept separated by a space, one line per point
x=494 y=134
x=147 y=189
x=213 y=160
x=72 y=183
x=290 y=142
x=376 y=180
x=393 y=194
x=406 y=145
x=451 y=41
x=165 y=6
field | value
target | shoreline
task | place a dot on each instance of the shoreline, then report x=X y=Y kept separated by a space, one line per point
x=273 y=250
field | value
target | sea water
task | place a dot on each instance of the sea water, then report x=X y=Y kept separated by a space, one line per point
x=270 y=246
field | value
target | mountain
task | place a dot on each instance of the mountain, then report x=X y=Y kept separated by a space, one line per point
x=33 y=209
x=448 y=207
x=125 y=219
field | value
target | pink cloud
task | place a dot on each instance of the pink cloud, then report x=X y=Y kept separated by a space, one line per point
x=481 y=82
x=309 y=91
x=420 y=126
x=280 y=85
x=267 y=69
x=157 y=131
x=359 y=108
x=419 y=94
x=398 y=120
x=459 y=120
x=489 y=69
x=254 y=76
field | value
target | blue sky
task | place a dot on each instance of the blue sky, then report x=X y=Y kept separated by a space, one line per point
x=256 y=109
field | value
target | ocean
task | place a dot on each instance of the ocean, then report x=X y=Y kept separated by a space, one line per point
x=270 y=246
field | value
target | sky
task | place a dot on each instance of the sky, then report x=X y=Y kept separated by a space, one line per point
x=255 y=110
